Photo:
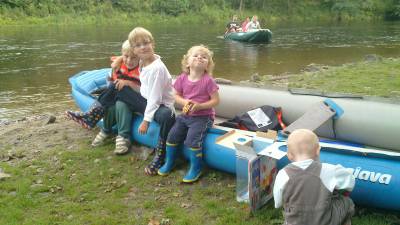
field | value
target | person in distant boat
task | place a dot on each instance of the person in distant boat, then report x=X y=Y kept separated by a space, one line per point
x=233 y=25
x=309 y=190
x=124 y=83
x=253 y=24
x=244 y=24
x=197 y=92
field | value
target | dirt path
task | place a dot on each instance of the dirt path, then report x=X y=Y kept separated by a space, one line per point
x=35 y=134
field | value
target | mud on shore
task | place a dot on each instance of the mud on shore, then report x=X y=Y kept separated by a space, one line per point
x=32 y=135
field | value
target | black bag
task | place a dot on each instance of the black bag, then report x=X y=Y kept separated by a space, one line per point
x=263 y=118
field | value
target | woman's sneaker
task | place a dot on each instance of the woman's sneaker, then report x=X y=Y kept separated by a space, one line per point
x=122 y=145
x=100 y=138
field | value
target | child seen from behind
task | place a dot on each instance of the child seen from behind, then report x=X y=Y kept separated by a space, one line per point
x=308 y=190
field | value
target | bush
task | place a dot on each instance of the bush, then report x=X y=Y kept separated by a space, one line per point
x=392 y=12
x=170 y=7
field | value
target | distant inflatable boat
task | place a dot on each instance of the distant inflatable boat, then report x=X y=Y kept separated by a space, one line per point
x=368 y=123
x=254 y=36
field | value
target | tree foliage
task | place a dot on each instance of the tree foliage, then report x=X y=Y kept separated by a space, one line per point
x=338 y=9
x=170 y=7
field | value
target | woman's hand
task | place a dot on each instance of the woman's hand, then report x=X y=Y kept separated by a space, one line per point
x=143 y=127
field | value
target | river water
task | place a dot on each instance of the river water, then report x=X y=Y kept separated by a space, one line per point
x=36 y=61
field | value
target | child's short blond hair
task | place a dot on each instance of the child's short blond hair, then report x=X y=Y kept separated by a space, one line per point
x=204 y=49
x=303 y=142
x=140 y=34
x=126 y=47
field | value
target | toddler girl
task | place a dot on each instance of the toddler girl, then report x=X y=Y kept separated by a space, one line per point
x=197 y=92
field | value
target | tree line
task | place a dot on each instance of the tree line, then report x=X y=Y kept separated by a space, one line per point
x=336 y=9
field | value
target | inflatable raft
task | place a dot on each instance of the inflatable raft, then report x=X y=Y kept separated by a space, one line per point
x=254 y=36
x=367 y=123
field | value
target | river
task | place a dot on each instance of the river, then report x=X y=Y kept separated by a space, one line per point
x=36 y=61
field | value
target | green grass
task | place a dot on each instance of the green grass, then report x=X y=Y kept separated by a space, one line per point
x=379 y=78
x=76 y=19
x=96 y=187
x=93 y=186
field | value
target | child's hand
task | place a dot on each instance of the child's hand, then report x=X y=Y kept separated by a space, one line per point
x=119 y=84
x=143 y=127
x=116 y=64
x=187 y=107
x=195 y=107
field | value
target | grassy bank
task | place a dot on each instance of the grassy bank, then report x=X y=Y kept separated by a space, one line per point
x=71 y=183
x=56 y=178
x=115 y=17
x=374 y=76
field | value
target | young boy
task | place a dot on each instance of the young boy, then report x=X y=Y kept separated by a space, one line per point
x=126 y=73
x=308 y=189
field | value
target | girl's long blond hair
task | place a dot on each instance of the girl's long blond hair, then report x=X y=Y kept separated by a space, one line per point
x=140 y=34
x=204 y=49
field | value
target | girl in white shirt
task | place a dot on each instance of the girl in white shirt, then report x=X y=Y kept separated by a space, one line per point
x=156 y=101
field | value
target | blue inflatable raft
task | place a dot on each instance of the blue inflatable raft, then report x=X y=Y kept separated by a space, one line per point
x=377 y=172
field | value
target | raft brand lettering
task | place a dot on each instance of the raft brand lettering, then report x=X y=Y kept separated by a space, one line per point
x=374 y=177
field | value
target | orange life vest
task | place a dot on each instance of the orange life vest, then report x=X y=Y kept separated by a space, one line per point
x=126 y=74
